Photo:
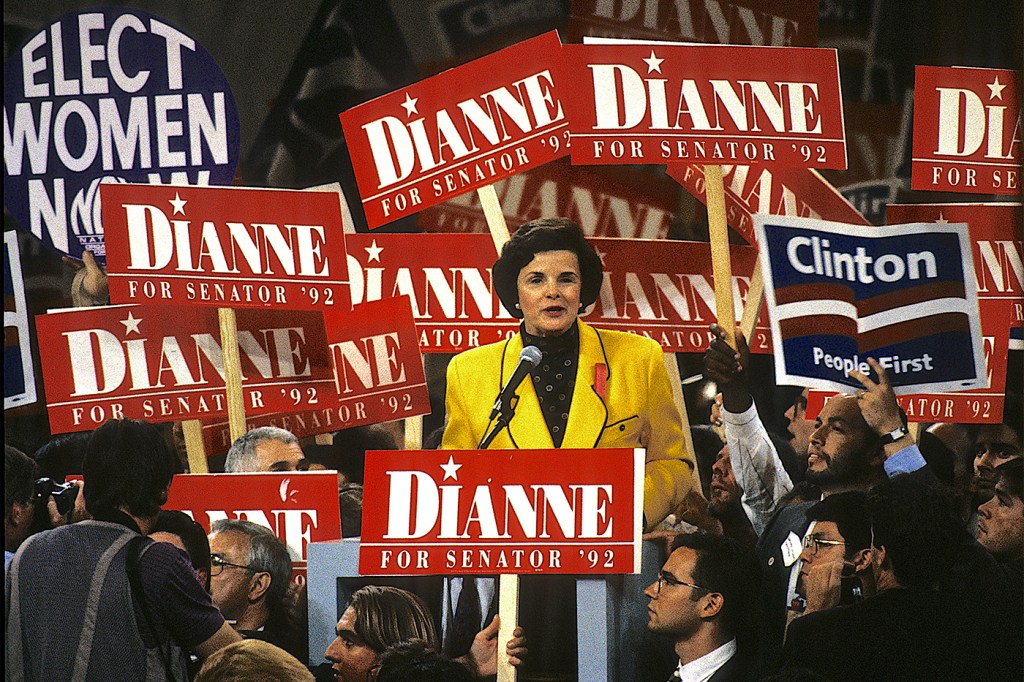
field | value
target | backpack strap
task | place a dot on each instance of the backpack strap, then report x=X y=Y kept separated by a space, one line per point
x=136 y=548
x=92 y=605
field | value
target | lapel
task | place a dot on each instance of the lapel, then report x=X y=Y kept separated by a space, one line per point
x=587 y=414
x=527 y=428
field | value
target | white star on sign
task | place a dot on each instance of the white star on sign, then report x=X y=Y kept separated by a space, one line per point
x=373 y=252
x=410 y=105
x=450 y=469
x=942 y=218
x=653 y=63
x=131 y=324
x=996 y=89
x=179 y=204
x=601 y=255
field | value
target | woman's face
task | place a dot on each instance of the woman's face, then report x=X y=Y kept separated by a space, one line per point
x=549 y=292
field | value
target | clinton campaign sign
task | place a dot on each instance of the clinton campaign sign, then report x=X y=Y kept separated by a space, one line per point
x=902 y=294
x=109 y=95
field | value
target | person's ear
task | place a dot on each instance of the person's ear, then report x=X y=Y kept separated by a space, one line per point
x=713 y=603
x=258 y=585
x=861 y=560
x=20 y=514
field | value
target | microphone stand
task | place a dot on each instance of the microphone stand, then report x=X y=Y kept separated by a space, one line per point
x=506 y=410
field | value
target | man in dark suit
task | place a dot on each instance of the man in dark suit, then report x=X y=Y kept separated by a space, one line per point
x=705 y=599
x=908 y=630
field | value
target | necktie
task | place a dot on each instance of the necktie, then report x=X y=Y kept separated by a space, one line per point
x=466 y=623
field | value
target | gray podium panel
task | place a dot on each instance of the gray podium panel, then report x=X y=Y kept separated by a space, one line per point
x=611 y=612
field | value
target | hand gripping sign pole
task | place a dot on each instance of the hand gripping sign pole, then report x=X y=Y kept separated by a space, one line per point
x=508 y=584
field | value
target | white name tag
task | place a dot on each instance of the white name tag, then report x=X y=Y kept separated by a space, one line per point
x=791 y=549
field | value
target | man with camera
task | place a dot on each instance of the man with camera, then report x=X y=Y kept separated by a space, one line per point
x=97 y=600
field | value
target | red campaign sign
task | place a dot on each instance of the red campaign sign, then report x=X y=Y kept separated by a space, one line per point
x=608 y=201
x=217 y=434
x=660 y=289
x=979 y=406
x=736 y=22
x=230 y=247
x=706 y=104
x=377 y=362
x=966 y=130
x=163 y=363
x=378 y=371
x=300 y=507
x=995 y=231
x=799 y=192
x=502 y=511
x=459 y=130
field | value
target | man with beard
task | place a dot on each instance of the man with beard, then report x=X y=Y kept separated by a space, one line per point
x=724 y=503
x=858 y=441
x=758 y=467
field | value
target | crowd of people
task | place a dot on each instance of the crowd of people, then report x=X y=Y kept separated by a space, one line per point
x=849 y=548
x=840 y=553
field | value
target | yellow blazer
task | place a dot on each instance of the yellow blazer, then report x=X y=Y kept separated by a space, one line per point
x=637 y=409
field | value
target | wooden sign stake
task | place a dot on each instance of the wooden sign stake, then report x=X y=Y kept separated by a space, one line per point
x=413 y=432
x=677 y=395
x=721 y=267
x=192 y=430
x=232 y=372
x=508 y=585
x=755 y=295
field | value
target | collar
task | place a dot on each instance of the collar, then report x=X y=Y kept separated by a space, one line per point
x=119 y=517
x=567 y=343
x=701 y=669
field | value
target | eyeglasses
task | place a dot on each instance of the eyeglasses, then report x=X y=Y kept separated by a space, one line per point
x=667 y=579
x=217 y=565
x=814 y=543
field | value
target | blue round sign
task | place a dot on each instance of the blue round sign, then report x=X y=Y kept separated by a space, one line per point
x=109 y=95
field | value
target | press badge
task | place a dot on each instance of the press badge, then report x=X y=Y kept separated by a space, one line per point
x=791 y=549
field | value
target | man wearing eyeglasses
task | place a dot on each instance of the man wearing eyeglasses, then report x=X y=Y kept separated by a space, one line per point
x=910 y=629
x=250 y=572
x=835 y=559
x=705 y=600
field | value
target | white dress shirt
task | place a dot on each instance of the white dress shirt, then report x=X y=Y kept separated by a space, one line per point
x=701 y=669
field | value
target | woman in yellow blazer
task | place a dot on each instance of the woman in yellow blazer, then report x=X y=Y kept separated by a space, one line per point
x=591 y=389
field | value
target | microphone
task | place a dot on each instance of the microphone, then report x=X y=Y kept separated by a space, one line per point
x=528 y=359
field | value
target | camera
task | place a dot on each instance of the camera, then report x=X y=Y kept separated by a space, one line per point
x=64 y=494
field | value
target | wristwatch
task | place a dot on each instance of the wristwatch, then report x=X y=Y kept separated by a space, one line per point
x=894 y=435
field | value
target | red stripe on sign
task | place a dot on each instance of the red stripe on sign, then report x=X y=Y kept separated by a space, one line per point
x=919 y=327
x=809 y=325
x=811 y=292
x=904 y=297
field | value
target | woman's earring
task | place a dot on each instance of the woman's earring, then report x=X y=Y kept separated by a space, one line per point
x=517 y=306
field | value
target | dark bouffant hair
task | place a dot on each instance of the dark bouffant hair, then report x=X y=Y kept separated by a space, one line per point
x=536 y=236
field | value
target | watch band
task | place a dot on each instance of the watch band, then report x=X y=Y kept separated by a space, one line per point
x=894 y=435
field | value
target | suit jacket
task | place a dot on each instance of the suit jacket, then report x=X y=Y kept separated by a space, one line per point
x=772 y=628
x=636 y=409
x=899 y=634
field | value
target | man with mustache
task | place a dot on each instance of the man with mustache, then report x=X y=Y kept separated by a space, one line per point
x=859 y=440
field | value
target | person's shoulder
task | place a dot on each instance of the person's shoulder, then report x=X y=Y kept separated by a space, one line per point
x=473 y=357
x=487 y=350
x=164 y=558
